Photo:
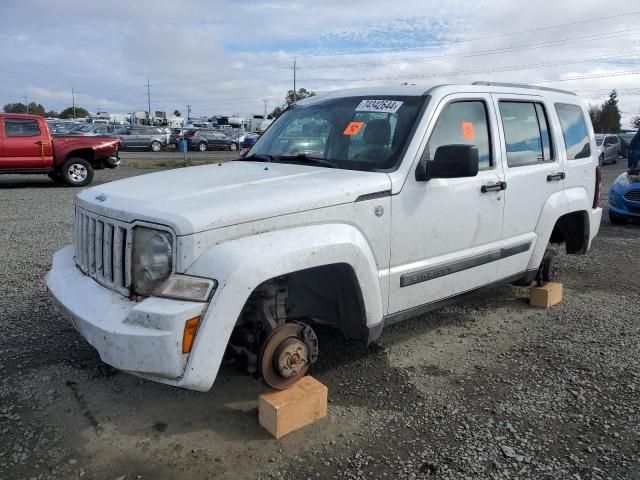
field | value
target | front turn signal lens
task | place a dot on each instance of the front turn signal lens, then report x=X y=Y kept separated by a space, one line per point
x=190 y=330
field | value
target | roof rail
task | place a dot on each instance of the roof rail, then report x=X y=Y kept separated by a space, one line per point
x=523 y=85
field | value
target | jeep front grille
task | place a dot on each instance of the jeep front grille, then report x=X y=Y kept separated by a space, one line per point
x=633 y=195
x=103 y=250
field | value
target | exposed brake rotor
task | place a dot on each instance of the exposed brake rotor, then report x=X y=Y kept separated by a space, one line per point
x=287 y=353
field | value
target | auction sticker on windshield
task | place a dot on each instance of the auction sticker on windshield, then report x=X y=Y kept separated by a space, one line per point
x=382 y=106
x=353 y=128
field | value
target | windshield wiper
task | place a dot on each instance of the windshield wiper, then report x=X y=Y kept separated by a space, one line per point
x=261 y=157
x=301 y=157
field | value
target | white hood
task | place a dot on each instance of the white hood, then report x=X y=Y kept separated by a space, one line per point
x=201 y=198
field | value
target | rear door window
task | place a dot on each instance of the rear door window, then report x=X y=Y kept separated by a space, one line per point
x=574 y=131
x=526 y=133
x=14 y=127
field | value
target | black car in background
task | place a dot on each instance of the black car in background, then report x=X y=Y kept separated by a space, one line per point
x=204 y=140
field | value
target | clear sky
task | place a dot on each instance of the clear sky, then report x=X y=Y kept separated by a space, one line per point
x=227 y=57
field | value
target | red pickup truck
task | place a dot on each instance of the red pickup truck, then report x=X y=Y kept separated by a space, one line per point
x=27 y=146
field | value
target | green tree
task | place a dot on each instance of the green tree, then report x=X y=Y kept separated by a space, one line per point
x=51 y=114
x=290 y=98
x=177 y=113
x=610 y=114
x=15 y=108
x=68 y=113
x=635 y=122
x=36 y=109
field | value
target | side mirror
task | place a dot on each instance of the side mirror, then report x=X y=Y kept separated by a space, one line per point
x=450 y=161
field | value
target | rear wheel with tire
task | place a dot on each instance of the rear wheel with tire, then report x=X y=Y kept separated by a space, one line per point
x=617 y=219
x=202 y=146
x=156 y=146
x=77 y=172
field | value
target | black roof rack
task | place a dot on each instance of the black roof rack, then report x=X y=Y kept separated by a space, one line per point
x=523 y=85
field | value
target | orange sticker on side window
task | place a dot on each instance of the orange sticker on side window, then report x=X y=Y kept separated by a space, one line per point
x=353 y=128
x=467 y=131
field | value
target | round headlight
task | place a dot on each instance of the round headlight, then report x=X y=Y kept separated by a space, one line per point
x=152 y=259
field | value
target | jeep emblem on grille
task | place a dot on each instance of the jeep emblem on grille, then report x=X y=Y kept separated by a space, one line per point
x=101 y=198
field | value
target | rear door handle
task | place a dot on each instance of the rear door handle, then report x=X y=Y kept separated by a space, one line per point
x=555 y=177
x=494 y=187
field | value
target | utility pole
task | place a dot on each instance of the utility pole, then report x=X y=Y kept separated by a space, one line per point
x=265 y=108
x=26 y=104
x=149 y=99
x=188 y=112
x=73 y=101
x=295 y=95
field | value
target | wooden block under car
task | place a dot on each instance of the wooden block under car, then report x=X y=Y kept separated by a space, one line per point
x=283 y=411
x=547 y=295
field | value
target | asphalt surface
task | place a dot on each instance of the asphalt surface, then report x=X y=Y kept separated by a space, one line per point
x=490 y=388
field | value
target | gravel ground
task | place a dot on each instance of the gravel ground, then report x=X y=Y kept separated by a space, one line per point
x=489 y=388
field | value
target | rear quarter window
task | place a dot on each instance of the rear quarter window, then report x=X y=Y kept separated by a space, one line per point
x=574 y=131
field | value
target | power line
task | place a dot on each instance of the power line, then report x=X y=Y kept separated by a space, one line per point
x=465 y=40
x=587 y=77
x=471 y=72
x=565 y=41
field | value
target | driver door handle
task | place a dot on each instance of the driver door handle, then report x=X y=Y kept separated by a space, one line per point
x=555 y=177
x=494 y=187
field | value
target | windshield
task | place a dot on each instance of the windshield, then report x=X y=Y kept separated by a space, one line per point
x=353 y=133
x=599 y=139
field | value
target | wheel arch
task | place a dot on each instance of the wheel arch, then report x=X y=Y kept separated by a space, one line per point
x=304 y=254
x=564 y=219
x=87 y=154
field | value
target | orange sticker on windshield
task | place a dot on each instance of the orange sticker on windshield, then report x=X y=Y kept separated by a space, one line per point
x=353 y=128
x=467 y=131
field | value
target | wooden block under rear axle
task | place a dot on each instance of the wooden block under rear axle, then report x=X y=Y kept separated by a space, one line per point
x=283 y=411
x=547 y=295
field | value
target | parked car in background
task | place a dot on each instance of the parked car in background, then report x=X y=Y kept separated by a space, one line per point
x=142 y=137
x=59 y=128
x=625 y=139
x=624 y=198
x=247 y=142
x=204 y=140
x=607 y=148
x=28 y=147
x=92 y=129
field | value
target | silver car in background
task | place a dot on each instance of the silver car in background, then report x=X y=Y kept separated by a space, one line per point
x=607 y=148
x=142 y=137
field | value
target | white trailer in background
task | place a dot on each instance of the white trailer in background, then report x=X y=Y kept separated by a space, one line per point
x=176 y=122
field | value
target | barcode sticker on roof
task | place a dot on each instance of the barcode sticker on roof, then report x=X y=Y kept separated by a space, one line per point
x=382 y=106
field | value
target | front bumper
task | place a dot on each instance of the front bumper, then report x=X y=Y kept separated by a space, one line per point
x=620 y=205
x=112 y=162
x=144 y=338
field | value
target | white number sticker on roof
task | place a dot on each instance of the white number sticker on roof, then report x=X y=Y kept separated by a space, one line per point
x=383 y=106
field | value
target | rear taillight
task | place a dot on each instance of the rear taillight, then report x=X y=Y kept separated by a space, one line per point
x=596 y=195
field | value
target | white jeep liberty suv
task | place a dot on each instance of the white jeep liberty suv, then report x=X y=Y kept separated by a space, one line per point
x=357 y=209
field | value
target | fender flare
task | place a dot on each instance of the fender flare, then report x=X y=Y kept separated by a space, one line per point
x=558 y=204
x=243 y=264
x=555 y=207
